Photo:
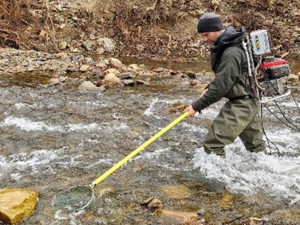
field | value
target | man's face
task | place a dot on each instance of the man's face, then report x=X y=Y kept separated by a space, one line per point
x=210 y=37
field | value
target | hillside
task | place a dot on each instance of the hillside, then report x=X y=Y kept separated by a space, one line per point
x=149 y=28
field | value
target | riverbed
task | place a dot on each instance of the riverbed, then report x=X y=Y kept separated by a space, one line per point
x=56 y=137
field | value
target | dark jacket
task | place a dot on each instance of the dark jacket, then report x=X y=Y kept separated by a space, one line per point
x=228 y=61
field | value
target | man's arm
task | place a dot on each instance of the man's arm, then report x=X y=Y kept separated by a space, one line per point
x=226 y=77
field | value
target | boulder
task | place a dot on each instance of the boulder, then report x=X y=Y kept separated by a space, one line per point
x=16 y=205
x=133 y=67
x=113 y=71
x=111 y=79
x=88 y=85
x=84 y=68
x=116 y=63
x=54 y=81
x=107 y=44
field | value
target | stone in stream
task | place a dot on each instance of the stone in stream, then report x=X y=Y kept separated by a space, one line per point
x=89 y=86
x=111 y=79
x=165 y=216
x=16 y=205
x=169 y=217
x=177 y=191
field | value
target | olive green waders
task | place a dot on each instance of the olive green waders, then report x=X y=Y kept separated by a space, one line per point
x=237 y=118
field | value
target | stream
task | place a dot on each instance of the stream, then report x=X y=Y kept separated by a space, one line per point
x=55 y=138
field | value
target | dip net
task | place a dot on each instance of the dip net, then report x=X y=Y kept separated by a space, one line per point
x=74 y=198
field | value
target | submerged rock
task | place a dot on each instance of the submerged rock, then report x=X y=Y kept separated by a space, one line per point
x=177 y=218
x=16 y=205
x=177 y=191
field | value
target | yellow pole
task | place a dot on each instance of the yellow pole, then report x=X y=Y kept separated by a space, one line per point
x=136 y=151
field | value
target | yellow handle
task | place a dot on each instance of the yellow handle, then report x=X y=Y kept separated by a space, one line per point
x=136 y=151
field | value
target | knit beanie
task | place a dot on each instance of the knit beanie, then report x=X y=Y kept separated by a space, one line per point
x=209 y=22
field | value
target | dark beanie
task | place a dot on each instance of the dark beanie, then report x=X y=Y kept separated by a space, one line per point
x=209 y=22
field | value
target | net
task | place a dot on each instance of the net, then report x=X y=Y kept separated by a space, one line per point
x=74 y=198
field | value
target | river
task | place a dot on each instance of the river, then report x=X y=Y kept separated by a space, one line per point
x=54 y=138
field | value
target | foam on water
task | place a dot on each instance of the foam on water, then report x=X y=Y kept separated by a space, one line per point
x=28 y=125
x=250 y=173
x=149 y=111
x=152 y=155
x=36 y=162
x=24 y=105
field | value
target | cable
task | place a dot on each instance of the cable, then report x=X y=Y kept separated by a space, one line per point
x=295 y=102
x=279 y=118
x=264 y=131
x=297 y=128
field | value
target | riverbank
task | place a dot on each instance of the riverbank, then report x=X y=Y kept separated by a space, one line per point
x=104 y=71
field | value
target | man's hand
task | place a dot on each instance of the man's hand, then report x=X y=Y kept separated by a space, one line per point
x=191 y=111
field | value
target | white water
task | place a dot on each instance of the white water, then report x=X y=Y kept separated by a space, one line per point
x=240 y=172
x=26 y=124
x=244 y=172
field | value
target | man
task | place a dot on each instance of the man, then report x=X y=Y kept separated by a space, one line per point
x=239 y=116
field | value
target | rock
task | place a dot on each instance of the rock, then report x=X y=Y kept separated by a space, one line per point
x=177 y=108
x=126 y=76
x=107 y=44
x=293 y=77
x=101 y=65
x=63 y=45
x=84 y=68
x=296 y=12
x=92 y=36
x=128 y=82
x=54 y=81
x=152 y=204
x=168 y=217
x=88 y=85
x=191 y=74
x=62 y=26
x=100 y=50
x=140 y=48
x=88 y=45
x=177 y=191
x=90 y=61
x=16 y=205
x=133 y=67
x=111 y=79
x=201 y=212
x=226 y=201
x=113 y=71
x=75 y=50
x=142 y=82
x=116 y=63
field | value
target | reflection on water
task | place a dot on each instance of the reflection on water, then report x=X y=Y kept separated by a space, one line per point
x=197 y=65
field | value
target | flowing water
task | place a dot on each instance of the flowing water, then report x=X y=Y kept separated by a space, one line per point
x=55 y=138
